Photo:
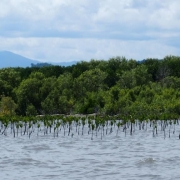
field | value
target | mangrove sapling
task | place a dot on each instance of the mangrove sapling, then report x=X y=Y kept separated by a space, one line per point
x=34 y=121
x=64 y=127
x=57 y=127
x=83 y=124
x=153 y=131
x=131 y=127
x=97 y=125
x=45 y=127
x=114 y=122
x=106 y=129
x=174 y=122
x=79 y=125
x=125 y=127
x=11 y=127
x=77 y=122
x=5 y=123
x=14 y=129
x=1 y=125
x=101 y=131
x=92 y=127
x=1 y=128
x=142 y=125
x=21 y=126
x=50 y=126
x=38 y=126
x=24 y=120
x=170 y=128
x=103 y=125
x=161 y=125
x=118 y=125
x=54 y=131
x=89 y=125
x=164 y=132
x=25 y=127
x=154 y=127
x=127 y=124
x=111 y=127
x=146 y=124
x=100 y=128
x=151 y=123
x=134 y=126
x=166 y=123
x=30 y=134
x=70 y=124
x=17 y=128
x=29 y=128
x=107 y=126
x=139 y=125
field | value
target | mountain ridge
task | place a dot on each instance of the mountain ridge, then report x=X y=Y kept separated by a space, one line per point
x=10 y=59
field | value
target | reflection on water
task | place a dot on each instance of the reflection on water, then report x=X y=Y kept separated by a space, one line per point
x=140 y=156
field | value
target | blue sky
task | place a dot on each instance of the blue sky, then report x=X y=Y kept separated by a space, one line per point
x=68 y=30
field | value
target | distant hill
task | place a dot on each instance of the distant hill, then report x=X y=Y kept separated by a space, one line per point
x=53 y=64
x=9 y=59
x=65 y=63
x=41 y=65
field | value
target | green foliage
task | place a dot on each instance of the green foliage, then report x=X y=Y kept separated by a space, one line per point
x=7 y=106
x=60 y=97
x=116 y=86
x=28 y=92
x=9 y=79
x=31 y=110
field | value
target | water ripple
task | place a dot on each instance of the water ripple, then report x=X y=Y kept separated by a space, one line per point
x=140 y=156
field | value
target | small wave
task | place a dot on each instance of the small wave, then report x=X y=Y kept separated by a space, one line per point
x=171 y=159
x=37 y=148
x=138 y=144
x=147 y=161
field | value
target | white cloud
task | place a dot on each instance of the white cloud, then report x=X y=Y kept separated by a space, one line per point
x=61 y=49
x=167 y=17
x=64 y=30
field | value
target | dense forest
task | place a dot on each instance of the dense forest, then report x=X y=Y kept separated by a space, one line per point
x=118 y=86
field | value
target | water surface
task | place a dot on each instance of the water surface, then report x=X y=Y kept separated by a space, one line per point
x=140 y=156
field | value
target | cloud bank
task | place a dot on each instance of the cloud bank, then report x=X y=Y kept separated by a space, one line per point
x=66 y=30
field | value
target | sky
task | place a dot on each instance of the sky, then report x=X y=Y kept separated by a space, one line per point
x=76 y=30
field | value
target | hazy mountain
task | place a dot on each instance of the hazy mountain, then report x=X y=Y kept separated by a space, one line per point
x=65 y=63
x=9 y=59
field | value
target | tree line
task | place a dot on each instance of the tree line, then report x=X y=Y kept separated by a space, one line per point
x=116 y=86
